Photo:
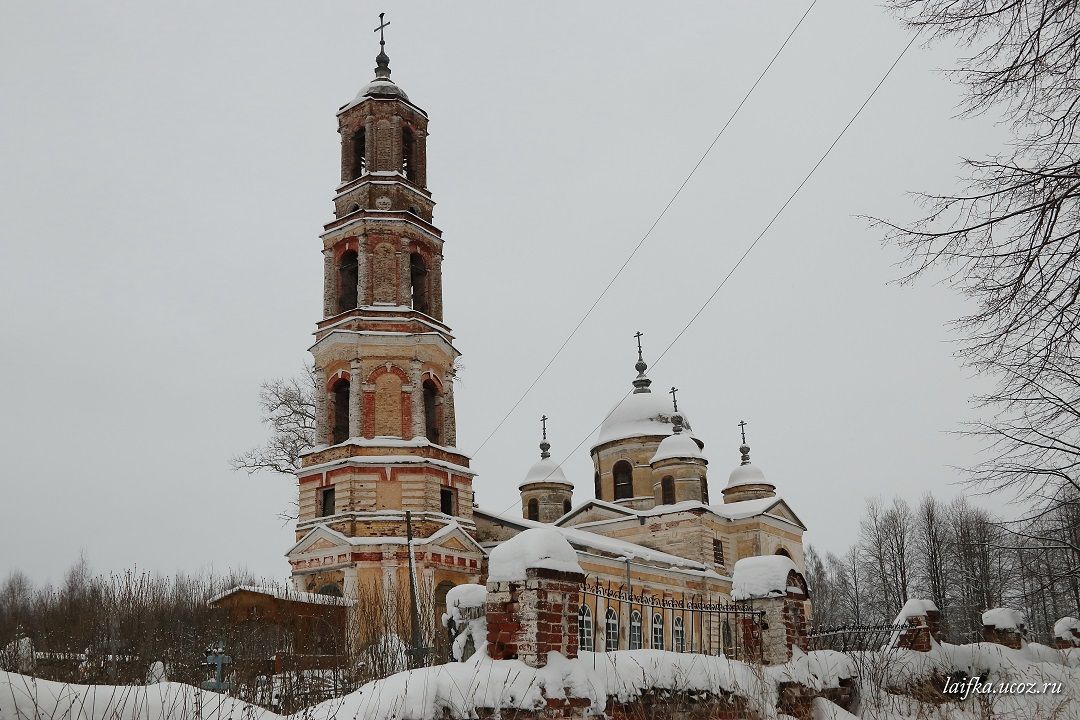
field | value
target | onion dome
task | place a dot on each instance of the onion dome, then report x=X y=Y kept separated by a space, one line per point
x=381 y=85
x=545 y=470
x=641 y=413
x=679 y=445
x=746 y=473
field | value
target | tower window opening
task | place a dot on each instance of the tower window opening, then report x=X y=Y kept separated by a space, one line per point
x=704 y=491
x=533 y=509
x=359 y=161
x=624 y=480
x=596 y=485
x=431 y=415
x=565 y=507
x=446 y=501
x=718 y=551
x=408 y=147
x=348 y=273
x=341 y=411
x=667 y=490
x=418 y=276
x=327 y=502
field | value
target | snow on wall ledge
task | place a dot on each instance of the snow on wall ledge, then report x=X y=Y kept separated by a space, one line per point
x=763 y=576
x=534 y=548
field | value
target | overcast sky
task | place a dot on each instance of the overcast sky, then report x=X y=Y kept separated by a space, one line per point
x=165 y=170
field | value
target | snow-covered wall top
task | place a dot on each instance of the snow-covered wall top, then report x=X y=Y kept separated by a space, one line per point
x=540 y=547
x=1003 y=619
x=914 y=608
x=761 y=577
x=1066 y=627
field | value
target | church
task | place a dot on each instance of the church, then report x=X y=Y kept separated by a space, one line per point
x=386 y=496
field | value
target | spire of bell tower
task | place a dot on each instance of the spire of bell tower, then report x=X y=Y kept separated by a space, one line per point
x=382 y=60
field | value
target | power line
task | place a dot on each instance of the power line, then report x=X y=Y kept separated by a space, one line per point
x=645 y=237
x=752 y=245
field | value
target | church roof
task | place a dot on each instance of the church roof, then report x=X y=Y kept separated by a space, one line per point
x=380 y=87
x=775 y=507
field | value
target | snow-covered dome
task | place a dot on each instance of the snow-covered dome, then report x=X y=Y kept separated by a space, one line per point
x=680 y=445
x=381 y=87
x=640 y=413
x=545 y=470
x=748 y=474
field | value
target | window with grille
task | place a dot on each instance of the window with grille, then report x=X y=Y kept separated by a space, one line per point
x=611 y=630
x=585 y=629
x=635 y=630
x=678 y=635
x=327 y=502
x=718 y=551
x=658 y=632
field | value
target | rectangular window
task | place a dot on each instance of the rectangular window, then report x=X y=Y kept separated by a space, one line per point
x=326 y=502
x=447 y=501
x=718 y=551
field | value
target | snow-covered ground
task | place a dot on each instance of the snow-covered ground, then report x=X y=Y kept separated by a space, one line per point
x=884 y=680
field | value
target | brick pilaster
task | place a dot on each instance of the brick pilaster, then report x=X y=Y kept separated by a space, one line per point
x=527 y=620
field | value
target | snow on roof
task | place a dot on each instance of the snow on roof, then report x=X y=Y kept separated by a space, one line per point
x=746 y=508
x=619 y=548
x=448 y=529
x=284 y=593
x=538 y=547
x=545 y=470
x=680 y=445
x=1003 y=619
x=748 y=474
x=761 y=577
x=639 y=414
x=1067 y=628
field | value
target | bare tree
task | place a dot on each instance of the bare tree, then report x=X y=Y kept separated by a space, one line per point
x=288 y=407
x=1010 y=239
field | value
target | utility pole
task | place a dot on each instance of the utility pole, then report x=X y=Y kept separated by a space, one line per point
x=418 y=651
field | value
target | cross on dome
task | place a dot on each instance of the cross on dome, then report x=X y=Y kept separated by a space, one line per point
x=674 y=400
x=545 y=446
x=744 y=448
x=641 y=383
x=382 y=60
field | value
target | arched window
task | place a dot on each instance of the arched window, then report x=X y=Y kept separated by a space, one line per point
x=729 y=646
x=347 y=276
x=596 y=486
x=584 y=629
x=611 y=630
x=566 y=506
x=657 y=631
x=678 y=635
x=331 y=589
x=635 y=630
x=704 y=491
x=624 y=480
x=340 y=393
x=431 y=415
x=533 y=509
x=667 y=491
x=408 y=148
x=418 y=275
x=783 y=551
x=359 y=159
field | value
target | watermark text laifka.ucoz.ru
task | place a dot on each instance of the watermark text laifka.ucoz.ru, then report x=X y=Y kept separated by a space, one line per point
x=978 y=686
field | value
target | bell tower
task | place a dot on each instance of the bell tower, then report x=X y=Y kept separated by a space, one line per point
x=384 y=359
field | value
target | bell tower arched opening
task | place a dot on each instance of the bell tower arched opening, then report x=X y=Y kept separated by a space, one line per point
x=348 y=274
x=339 y=393
x=408 y=154
x=431 y=411
x=418 y=277
x=359 y=155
